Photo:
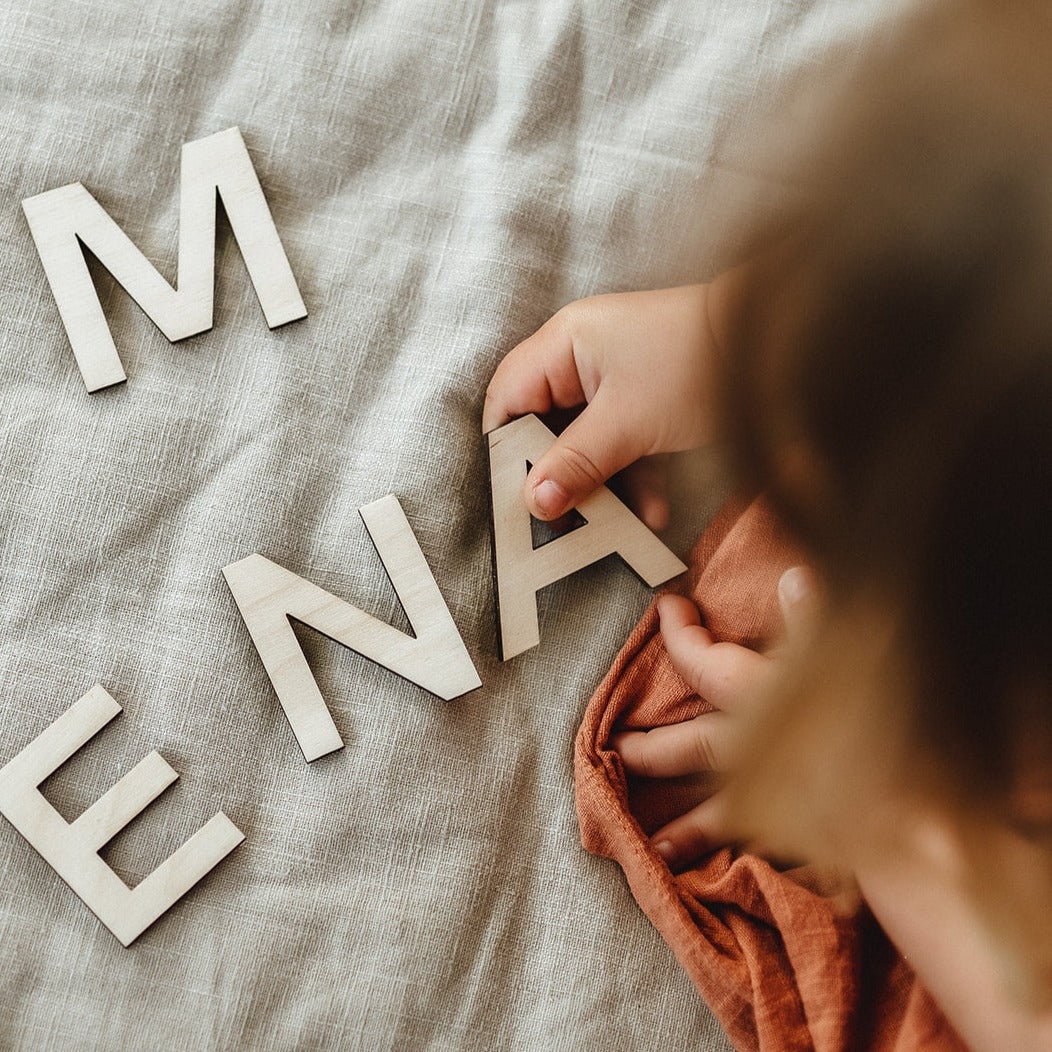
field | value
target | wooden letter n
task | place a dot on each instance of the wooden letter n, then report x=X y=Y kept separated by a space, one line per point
x=435 y=658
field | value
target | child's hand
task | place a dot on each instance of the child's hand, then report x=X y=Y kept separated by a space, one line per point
x=729 y=677
x=640 y=362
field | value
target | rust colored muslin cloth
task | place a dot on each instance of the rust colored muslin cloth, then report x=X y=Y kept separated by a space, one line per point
x=777 y=964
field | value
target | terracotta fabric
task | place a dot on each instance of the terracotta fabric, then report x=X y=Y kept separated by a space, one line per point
x=775 y=962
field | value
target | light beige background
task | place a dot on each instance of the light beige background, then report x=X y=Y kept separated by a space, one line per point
x=444 y=176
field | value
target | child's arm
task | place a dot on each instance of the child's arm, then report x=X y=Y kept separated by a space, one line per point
x=931 y=924
x=640 y=361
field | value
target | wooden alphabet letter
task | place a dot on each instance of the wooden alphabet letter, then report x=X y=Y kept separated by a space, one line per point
x=71 y=849
x=61 y=219
x=522 y=570
x=268 y=595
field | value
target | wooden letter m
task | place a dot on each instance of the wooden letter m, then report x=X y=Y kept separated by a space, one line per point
x=65 y=220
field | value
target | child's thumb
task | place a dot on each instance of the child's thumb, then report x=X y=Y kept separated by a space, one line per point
x=583 y=457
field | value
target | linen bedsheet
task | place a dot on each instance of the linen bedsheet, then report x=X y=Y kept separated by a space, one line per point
x=443 y=175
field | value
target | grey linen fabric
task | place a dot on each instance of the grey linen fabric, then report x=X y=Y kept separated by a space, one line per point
x=444 y=176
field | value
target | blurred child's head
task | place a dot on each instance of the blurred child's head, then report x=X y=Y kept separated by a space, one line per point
x=889 y=385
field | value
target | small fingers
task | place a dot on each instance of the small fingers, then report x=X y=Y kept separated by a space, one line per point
x=798 y=598
x=535 y=376
x=722 y=673
x=595 y=446
x=701 y=744
x=700 y=831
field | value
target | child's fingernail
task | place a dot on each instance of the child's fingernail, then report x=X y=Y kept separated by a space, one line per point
x=551 y=498
x=793 y=585
x=665 y=849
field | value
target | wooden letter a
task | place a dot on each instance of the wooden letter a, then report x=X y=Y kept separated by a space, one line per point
x=61 y=220
x=268 y=595
x=522 y=571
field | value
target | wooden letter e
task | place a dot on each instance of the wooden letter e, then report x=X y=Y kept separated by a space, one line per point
x=72 y=848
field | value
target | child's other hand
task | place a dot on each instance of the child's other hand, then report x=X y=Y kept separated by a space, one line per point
x=639 y=362
x=731 y=678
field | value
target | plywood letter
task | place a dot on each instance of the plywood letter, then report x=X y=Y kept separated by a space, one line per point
x=521 y=570
x=71 y=849
x=268 y=595
x=61 y=219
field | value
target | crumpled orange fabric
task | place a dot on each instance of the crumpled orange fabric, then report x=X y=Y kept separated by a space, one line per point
x=770 y=955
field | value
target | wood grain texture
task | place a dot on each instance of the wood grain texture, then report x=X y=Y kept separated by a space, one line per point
x=63 y=218
x=521 y=570
x=268 y=595
x=71 y=849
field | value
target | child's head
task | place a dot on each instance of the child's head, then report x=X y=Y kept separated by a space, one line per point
x=890 y=386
